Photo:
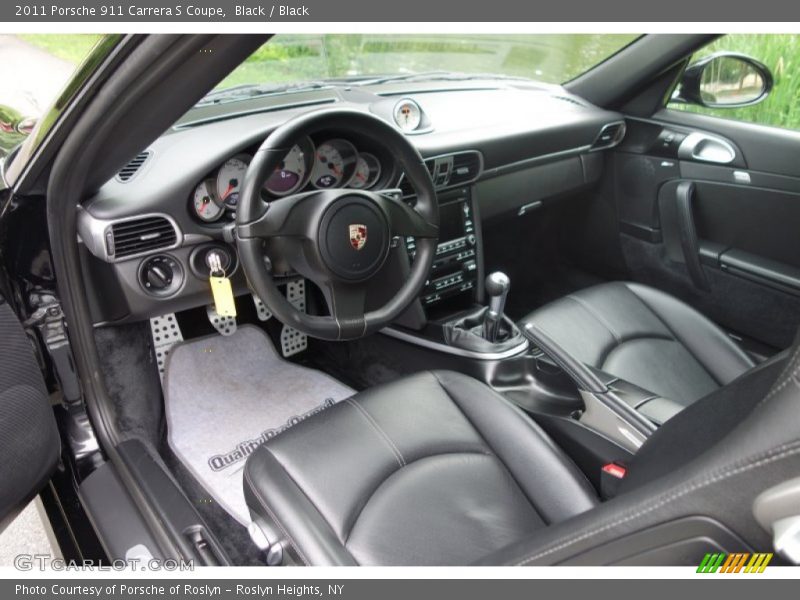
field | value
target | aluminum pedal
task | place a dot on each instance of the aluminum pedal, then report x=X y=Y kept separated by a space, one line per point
x=264 y=314
x=166 y=333
x=223 y=325
x=293 y=341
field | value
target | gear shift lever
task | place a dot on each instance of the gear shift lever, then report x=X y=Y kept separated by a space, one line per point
x=496 y=286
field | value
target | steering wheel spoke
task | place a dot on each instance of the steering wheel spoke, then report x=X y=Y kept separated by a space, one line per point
x=285 y=217
x=347 y=304
x=404 y=219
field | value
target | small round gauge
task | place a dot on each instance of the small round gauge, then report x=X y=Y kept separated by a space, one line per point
x=206 y=205
x=334 y=164
x=368 y=169
x=407 y=114
x=291 y=174
x=229 y=179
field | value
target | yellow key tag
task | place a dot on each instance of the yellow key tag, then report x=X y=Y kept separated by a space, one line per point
x=223 y=296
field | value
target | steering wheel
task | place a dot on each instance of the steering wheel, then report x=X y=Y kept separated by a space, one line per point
x=337 y=238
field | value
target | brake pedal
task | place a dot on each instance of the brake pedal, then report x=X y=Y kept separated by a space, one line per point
x=292 y=340
x=166 y=333
x=224 y=325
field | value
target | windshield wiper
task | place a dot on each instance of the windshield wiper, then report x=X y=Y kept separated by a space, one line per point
x=256 y=90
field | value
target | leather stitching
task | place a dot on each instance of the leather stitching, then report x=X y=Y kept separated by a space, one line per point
x=606 y=354
x=753 y=462
x=490 y=450
x=394 y=449
x=396 y=471
x=675 y=336
x=272 y=516
x=791 y=374
x=598 y=317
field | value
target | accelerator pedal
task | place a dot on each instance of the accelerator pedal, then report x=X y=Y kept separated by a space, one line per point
x=166 y=333
x=293 y=341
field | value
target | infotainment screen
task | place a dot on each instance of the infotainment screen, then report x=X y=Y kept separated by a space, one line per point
x=451 y=222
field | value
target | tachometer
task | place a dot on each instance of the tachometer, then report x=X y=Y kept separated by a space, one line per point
x=334 y=164
x=291 y=174
x=229 y=178
x=206 y=206
x=368 y=170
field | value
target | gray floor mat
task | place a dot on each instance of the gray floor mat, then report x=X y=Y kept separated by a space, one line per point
x=226 y=395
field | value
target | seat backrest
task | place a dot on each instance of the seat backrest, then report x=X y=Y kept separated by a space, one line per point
x=697 y=481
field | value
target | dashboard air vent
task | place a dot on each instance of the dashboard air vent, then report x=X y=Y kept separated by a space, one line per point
x=448 y=170
x=466 y=167
x=141 y=235
x=610 y=135
x=129 y=170
x=570 y=99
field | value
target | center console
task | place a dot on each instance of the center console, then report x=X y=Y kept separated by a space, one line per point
x=459 y=324
x=457 y=267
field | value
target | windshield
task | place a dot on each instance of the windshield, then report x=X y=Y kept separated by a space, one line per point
x=294 y=58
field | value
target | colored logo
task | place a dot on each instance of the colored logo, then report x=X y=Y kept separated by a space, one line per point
x=358 y=236
x=739 y=562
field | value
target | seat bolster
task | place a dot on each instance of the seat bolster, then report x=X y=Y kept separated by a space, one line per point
x=289 y=514
x=710 y=346
x=551 y=481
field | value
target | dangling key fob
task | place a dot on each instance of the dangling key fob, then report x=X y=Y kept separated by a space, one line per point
x=221 y=288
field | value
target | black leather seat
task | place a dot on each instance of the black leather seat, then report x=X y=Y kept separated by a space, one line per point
x=646 y=337
x=433 y=469
x=438 y=469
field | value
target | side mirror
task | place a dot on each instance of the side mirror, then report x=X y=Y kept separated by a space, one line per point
x=724 y=80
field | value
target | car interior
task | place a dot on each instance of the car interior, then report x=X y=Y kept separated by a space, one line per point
x=428 y=320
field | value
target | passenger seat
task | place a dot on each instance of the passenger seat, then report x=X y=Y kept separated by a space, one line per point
x=646 y=337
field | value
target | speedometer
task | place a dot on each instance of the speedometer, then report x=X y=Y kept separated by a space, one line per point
x=291 y=174
x=368 y=169
x=229 y=179
x=334 y=164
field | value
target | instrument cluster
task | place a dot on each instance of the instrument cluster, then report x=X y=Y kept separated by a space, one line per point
x=333 y=163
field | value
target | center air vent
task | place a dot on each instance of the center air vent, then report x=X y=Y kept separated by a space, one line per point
x=610 y=135
x=140 y=235
x=448 y=171
x=129 y=170
x=466 y=167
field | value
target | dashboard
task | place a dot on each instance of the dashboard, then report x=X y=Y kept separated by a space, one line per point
x=493 y=150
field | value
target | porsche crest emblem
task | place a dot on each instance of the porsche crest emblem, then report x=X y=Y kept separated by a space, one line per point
x=358 y=236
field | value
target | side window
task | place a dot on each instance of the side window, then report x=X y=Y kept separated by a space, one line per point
x=731 y=88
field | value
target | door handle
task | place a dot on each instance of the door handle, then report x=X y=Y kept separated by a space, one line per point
x=688 y=234
x=706 y=148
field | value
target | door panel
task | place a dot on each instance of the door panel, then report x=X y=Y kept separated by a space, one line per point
x=720 y=236
x=29 y=440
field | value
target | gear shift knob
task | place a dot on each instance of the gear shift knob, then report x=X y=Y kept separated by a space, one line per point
x=496 y=286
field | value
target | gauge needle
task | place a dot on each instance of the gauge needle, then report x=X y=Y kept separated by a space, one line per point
x=231 y=186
